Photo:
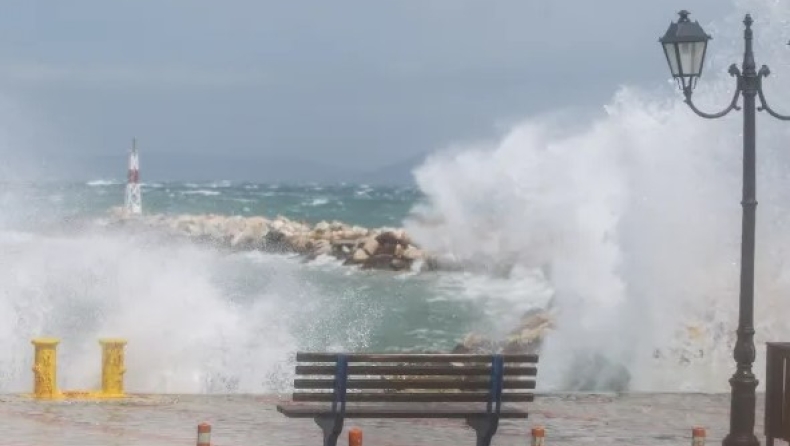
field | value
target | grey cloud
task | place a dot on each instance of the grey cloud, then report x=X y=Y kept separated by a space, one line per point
x=354 y=84
x=124 y=76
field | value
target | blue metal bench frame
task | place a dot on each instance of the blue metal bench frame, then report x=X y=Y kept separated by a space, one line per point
x=485 y=425
x=332 y=424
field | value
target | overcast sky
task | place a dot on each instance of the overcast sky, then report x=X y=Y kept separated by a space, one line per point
x=354 y=84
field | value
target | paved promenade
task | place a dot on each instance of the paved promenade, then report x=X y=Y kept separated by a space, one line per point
x=242 y=420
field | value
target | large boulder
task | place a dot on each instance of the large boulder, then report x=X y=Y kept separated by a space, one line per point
x=399 y=264
x=370 y=245
x=299 y=243
x=388 y=238
x=412 y=253
x=276 y=240
x=527 y=337
x=475 y=343
x=378 y=261
x=251 y=237
x=319 y=248
x=214 y=228
x=235 y=224
x=321 y=227
x=359 y=256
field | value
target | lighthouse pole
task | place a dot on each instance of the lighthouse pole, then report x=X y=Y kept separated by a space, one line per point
x=134 y=200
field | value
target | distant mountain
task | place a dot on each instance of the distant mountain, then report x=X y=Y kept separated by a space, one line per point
x=399 y=173
x=277 y=168
x=194 y=167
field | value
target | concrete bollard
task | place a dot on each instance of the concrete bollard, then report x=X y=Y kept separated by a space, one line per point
x=45 y=368
x=204 y=434
x=355 y=437
x=112 y=367
x=698 y=436
x=538 y=434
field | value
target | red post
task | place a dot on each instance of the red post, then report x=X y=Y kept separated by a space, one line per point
x=698 y=436
x=355 y=437
x=538 y=434
x=204 y=434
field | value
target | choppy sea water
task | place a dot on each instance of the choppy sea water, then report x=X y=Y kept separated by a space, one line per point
x=361 y=204
x=200 y=320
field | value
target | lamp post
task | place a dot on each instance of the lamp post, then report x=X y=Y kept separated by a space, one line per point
x=685 y=44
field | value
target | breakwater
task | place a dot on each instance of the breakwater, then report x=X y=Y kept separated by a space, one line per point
x=368 y=248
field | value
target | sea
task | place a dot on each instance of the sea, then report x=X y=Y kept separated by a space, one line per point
x=622 y=223
x=200 y=320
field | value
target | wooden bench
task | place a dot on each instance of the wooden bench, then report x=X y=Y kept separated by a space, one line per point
x=330 y=387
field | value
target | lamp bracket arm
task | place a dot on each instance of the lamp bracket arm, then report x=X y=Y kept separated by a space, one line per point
x=764 y=72
x=734 y=72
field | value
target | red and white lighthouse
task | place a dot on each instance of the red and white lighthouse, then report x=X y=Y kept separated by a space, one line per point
x=134 y=200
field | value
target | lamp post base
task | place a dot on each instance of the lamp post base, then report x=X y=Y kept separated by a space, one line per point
x=744 y=399
x=741 y=440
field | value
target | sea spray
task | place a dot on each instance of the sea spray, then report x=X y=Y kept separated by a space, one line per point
x=202 y=320
x=185 y=333
x=637 y=218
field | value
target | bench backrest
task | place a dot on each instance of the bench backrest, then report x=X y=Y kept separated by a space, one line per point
x=415 y=378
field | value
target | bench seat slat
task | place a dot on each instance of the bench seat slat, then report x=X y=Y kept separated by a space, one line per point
x=413 y=383
x=413 y=397
x=412 y=357
x=416 y=370
x=360 y=411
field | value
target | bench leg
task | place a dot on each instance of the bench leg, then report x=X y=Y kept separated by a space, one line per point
x=485 y=427
x=332 y=426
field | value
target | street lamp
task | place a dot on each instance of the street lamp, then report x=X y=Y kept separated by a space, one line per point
x=685 y=44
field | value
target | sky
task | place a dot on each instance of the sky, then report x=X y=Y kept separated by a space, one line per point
x=302 y=89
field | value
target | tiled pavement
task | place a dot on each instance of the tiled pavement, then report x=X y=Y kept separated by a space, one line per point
x=252 y=420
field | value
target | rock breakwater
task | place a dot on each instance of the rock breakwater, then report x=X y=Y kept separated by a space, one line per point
x=367 y=248
x=526 y=337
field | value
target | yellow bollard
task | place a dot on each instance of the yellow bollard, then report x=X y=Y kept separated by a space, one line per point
x=112 y=367
x=45 y=368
